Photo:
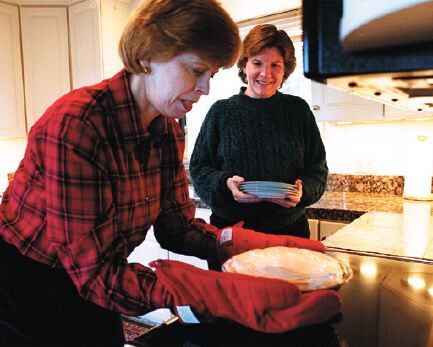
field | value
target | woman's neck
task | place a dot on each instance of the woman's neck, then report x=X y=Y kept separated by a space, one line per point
x=138 y=89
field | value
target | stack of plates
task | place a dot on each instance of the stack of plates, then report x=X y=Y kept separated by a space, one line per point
x=307 y=269
x=268 y=189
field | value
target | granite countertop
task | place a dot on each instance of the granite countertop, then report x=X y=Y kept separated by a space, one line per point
x=348 y=206
x=348 y=197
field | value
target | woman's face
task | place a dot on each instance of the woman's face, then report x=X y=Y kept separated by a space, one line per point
x=264 y=72
x=173 y=86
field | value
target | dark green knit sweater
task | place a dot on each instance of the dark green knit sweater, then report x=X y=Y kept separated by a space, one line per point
x=273 y=139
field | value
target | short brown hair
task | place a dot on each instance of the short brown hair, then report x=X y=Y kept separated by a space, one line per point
x=266 y=36
x=162 y=29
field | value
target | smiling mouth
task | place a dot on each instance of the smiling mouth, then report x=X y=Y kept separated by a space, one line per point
x=264 y=83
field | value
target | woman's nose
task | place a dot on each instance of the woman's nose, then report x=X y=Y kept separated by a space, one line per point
x=265 y=70
x=203 y=86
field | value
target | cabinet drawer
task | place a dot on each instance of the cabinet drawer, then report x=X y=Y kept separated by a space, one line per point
x=328 y=228
x=314 y=228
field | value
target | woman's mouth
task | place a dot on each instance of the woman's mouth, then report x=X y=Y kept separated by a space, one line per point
x=263 y=83
x=187 y=105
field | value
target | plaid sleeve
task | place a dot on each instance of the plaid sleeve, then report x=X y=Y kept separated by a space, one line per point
x=176 y=228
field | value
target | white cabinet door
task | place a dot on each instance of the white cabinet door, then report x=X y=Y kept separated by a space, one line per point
x=95 y=28
x=114 y=16
x=85 y=33
x=148 y=251
x=330 y=104
x=46 y=58
x=203 y=213
x=314 y=229
x=328 y=228
x=12 y=114
x=395 y=112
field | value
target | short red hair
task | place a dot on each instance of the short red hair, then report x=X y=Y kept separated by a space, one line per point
x=162 y=29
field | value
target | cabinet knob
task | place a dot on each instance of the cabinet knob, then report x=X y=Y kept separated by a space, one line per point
x=316 y=107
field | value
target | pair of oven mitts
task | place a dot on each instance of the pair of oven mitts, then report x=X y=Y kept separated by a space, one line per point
x=266 y=305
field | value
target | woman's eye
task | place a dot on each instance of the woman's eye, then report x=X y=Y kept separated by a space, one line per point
x=197 y=73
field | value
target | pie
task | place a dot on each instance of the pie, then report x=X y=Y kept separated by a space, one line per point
x=309 y=270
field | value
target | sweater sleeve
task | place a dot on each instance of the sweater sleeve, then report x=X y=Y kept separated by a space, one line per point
x=315 y=173
x=208 y=178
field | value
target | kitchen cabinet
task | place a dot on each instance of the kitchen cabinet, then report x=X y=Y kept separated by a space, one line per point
x=330 y=104
x=395 y=112
x=45 y=57
x=95 y=28
x=314 y=229
x=12 y=114
x=151 y=250
x=148 y=250
x=202 y=213
x=327 y=228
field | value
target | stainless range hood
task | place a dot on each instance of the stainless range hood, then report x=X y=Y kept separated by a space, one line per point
x=384 y=57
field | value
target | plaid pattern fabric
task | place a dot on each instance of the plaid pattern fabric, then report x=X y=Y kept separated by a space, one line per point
x=93 y=180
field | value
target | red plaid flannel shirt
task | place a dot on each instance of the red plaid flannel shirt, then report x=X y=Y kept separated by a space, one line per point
x=92 y=182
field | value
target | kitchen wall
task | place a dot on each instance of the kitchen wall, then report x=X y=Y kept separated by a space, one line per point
x=377 y=149
x=242 y=10
x=363 y=148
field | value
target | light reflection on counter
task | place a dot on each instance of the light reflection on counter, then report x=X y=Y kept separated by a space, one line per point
x=368 y=269
x=416 y=282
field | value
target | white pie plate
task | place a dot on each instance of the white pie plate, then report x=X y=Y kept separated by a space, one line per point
x=307 y=269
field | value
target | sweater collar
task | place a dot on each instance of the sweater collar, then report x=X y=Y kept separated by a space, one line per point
x=273 y=100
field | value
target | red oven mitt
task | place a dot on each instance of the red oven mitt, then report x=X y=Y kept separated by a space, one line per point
x=266 y=305
x=235 y=240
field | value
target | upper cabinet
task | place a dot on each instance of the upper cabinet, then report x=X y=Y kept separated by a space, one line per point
x=330 y=104
x=95 y=28
x=12 y=111
x=86 y=55
x=47 y=51
x=45 y=58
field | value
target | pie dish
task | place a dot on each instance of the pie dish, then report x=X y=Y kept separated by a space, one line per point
x=309 y=270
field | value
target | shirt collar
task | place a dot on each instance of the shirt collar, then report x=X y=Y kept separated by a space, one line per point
x=131 y=125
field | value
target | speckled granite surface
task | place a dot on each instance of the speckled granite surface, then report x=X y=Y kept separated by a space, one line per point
x=348 y=206
x=348 y=197
x=366 y=184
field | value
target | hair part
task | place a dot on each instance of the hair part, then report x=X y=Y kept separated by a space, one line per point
x=162 y=29
x=267 y=36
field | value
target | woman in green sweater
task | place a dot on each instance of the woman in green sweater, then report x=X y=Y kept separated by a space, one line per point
x=260 y=134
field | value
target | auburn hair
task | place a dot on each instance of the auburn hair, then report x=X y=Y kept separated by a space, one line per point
x=161 y=29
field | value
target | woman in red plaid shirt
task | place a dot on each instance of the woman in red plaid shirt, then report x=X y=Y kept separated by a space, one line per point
x=103 y=164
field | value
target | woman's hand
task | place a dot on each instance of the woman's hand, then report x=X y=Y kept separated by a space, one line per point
x=291 y=200
x=243 y=198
